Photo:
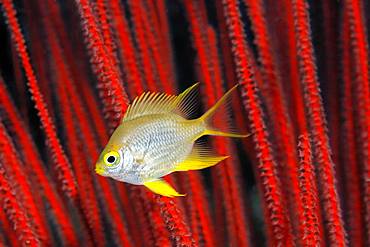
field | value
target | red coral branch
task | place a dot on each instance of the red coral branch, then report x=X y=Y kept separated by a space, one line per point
x=7 y=230
x=332 y=213
x=147 y=62
x=65 y=174
x=22 y=186
x=277 y=224
x=360 y=49
x=331 y=78
x=127 y=51
x=151 y=29
x=36 y=49
x=190 y=207
x=139 y=197
x=88 y=199
x=15 y=213
x=112 y=93
x=159 y=230
x=20 y=83
x=164 y=30
x=92 y=152
x=83 y=86
x=107 y=35
x=133 y=46
x=297 y=101
x=309 y=229
x=27 y=148
x=271 y=85
x=348 y=150
x=177 y=228
x=130 y=215
x=86 y=190
x=231 y=186
x=199 y=215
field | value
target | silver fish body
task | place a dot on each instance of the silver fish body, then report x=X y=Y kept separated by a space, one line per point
x=152 y=146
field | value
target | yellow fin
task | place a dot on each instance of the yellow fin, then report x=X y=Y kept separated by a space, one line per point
x=221 y=133
x=163 y=188
x=199 y=158
x=159 y=103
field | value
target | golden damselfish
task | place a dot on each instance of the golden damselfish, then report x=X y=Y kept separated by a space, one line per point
x=156 y=138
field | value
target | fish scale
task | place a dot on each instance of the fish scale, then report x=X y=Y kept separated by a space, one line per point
x=168 y=143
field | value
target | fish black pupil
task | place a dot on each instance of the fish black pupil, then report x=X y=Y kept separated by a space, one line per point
x=111 y=159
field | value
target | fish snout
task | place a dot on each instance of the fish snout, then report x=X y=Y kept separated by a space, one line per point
x=99 y=169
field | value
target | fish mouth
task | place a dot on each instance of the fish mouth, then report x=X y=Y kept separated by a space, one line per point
x=99 y=170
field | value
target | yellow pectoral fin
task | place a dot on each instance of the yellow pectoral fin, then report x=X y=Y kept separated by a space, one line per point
x=163 y=188
x=199 y=158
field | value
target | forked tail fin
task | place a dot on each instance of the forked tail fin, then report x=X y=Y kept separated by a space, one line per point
x=208 y=117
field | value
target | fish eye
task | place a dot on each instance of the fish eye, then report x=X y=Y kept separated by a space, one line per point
x=111 y=158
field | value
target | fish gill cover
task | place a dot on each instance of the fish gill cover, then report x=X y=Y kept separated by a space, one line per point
x=69 y=69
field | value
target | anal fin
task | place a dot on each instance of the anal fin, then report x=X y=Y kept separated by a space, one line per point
x=199 y=158
x=163 y=188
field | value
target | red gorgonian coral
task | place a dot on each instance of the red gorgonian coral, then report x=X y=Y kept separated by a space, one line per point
x=72 y=68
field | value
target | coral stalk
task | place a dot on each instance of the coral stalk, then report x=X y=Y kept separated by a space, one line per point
x=112 y=93
x=309 y=230
x=13 y=167
x=271 y=85
x=71 y=68
x=30 y=154
x=353 y=198
x=62 y=167
x=297 y=101
x=146 y=60
x=231 y=184
x=316 y=119
x=277 y=224
x=15 y=213
x=63 y=79
x=360 y=49
x=155 y=48
x=164 y=29
x=89 y=199
x=177 y=228
x=127 y=51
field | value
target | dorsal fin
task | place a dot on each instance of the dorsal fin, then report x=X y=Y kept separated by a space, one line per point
x=150 y=103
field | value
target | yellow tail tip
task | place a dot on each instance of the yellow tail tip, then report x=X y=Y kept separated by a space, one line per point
x=226 y=134
x=172 y=196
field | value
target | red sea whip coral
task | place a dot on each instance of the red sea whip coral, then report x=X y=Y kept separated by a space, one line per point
x=309 y=232
x=279 y=231
x=63 y=166
x=81 y=78
x=360 y=49
x=317 y=123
